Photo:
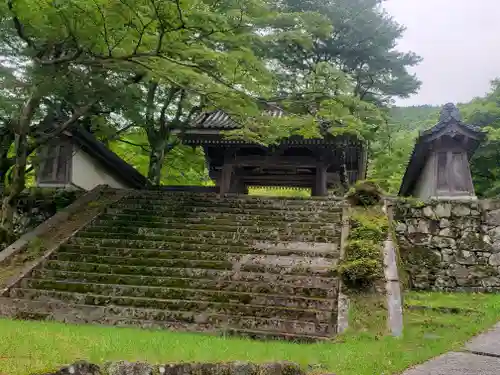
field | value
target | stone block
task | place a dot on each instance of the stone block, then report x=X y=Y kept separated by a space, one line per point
x=78 y=368
x=443 y=210
x=466 y=257
x=493 y=217
x=429 y=212
x=494 y=260
x=446 y=232
x=460 y=210
x=444 y=223
x=128 y=368
x=443 y=242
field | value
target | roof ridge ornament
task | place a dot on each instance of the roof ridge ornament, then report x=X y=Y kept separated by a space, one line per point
x=450 y=112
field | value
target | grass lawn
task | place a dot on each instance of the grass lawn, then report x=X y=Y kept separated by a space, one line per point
x=26 y=347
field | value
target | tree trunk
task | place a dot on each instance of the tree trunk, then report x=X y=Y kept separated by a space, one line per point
x=9 y=202
x=21 y=149
x=7 y=138
x=156 y=160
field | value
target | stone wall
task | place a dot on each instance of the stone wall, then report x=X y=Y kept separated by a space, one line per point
x=450 y=245
x=37 y=205
x=141 y=368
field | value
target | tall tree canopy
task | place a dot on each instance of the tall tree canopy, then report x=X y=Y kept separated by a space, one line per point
x=136 y=73
x=361 y=44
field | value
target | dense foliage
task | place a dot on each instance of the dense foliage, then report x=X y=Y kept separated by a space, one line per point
x=137 y=73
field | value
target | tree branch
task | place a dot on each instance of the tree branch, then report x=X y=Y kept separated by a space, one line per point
x=143 y=147
x=163 y=118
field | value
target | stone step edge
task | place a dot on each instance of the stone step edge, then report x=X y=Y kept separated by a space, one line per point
x=234 y=244
x=213 y=194
x=208 y=291
x=189 y=228
x=219 y=209
x=216 y=214
x=270 y=269
x=203 y=234
x=282 y=308
x=166 y=269
x=195 y=218
x=236 y=199
x=311 y=254
x=269 y=335
x=214 y=224
x=219 y=331
x=47 y=304
x=202 y=280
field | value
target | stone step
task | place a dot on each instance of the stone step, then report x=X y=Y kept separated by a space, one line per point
x=325 y=291
x=225 y=219
x=256 y=263
x=213 y=225
x=295 y=205
x=305 y=281
x=155 y=242
x=179 y=195
x=166 y=293
x=282 y=336
x=189 y=211
x=207 y=307
x=223 y=230
x=141 y=233
x=190 y=250
x=162 y=253
x=154 y=318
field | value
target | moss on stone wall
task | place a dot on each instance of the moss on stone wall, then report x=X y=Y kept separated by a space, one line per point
x=362 y=265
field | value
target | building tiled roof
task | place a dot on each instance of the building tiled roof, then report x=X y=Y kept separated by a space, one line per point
x=220 y=120
x=214 y=120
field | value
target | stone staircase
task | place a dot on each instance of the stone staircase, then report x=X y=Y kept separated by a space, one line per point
x=256 y=267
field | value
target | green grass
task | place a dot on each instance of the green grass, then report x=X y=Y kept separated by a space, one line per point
x=26 y=347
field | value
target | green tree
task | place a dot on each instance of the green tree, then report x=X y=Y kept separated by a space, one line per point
x=69 y=50
x=485 y=165
x=361 y=43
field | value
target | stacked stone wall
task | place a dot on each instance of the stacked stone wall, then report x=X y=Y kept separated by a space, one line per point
x=450 y=245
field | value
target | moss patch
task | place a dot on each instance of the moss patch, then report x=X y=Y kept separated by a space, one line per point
x=362 y=264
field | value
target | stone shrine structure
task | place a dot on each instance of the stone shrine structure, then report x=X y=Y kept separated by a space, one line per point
x=439 y=165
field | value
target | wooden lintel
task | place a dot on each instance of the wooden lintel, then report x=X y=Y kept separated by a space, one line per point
x=292 y=161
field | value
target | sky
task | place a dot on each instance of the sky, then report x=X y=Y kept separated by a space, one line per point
x=459 y=41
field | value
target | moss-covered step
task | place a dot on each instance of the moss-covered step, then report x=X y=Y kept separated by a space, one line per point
x=117 y=260
x=155 y=319
x=147 y=253
x=233 y=214
x=215 y=225
x=140 y=233
x=281 y=265
x=223 y=219
x=178 y=195
x=266 y=336
x=256 y=286
x=306 y=281
x=238 y=203
x=187 y=211
x=196 y=250
x=208 y=307
x=180 y=294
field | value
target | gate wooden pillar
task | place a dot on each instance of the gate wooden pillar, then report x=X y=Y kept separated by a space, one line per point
x=320 y=188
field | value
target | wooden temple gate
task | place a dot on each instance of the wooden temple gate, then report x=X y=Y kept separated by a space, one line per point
x=316 y=164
